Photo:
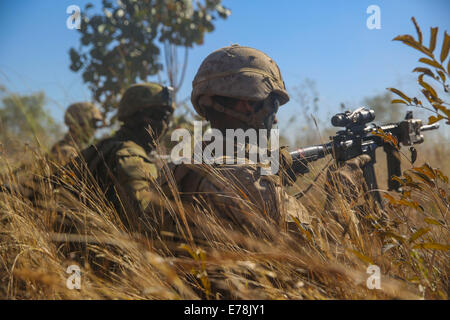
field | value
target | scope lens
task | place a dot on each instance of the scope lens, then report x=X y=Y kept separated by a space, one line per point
x=339 y=120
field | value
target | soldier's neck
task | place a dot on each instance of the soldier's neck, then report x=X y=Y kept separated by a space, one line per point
x=140 y=137
x=76 y=139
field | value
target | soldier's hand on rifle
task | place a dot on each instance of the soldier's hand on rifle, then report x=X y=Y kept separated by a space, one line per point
x=288 y=177
x=347 y=179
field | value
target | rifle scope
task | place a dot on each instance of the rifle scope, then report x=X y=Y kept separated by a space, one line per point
x=358 y=117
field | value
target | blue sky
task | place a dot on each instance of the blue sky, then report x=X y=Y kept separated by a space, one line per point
x=326 y=41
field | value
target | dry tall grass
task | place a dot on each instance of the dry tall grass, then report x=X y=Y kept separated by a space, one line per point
x=327 y=262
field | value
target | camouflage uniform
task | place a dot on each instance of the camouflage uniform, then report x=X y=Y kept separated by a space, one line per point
x=65 y=149
x=81 y=119
x=121 y=164
x=238 y=193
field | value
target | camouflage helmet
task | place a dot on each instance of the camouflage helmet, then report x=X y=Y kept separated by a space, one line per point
x=144 y=95
x=238 y=72
x=82 y=113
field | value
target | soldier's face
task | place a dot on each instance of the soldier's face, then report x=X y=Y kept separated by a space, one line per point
x=257 y=109
x=157 y=122
x=243 y=107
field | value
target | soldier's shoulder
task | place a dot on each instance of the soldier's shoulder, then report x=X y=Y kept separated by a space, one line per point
x=132 y=149
x=134 y=162
x=63 y=151
x=118 y=147
x=62 y=145
x=222 y=176
x=103 y=147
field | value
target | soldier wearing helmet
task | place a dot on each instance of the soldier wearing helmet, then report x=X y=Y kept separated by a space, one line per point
x=121 y=164
x=82 y=119
x=239 y=88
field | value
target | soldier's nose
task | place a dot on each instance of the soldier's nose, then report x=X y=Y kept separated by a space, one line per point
x=242 y=106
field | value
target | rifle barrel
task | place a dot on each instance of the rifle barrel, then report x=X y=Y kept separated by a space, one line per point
x=429 y=127
x=312 y=153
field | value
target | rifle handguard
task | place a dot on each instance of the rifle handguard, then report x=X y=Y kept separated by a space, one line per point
x=303 y=156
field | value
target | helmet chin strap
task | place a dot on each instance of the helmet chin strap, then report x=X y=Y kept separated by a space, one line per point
x=262 y=119
x=271 y=105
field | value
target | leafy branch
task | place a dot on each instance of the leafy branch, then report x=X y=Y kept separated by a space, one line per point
x=434 y=69
x=124 y=44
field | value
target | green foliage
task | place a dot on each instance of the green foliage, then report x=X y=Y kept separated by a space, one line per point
x=440 y=75
x=23 y=119
x=120 y=46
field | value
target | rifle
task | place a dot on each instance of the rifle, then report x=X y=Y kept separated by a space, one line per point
x=359 y=137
